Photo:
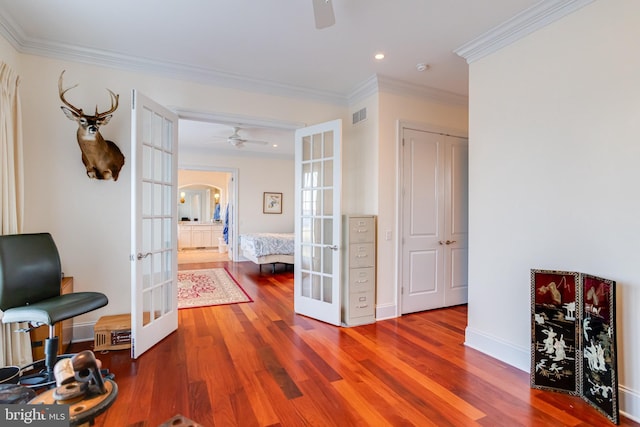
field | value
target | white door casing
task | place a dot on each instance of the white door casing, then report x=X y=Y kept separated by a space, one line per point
x=154 y=265
x=318 y=229
x=433 y=222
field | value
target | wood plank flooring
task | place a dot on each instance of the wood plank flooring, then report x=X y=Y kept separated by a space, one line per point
x=259 y=364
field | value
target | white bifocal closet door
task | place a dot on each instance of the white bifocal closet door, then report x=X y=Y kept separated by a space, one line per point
x=434 y=220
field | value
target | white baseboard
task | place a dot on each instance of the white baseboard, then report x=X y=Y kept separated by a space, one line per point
x=83 y=331
x=629 y=403
x=386 y=312
x=502 y=350
x=628 y=400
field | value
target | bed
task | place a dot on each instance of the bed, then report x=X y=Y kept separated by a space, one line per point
x=268 y=248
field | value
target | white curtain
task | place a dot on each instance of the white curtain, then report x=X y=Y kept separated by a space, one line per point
x=15 y=346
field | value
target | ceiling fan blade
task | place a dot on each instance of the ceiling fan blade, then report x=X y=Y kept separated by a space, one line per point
x=238 y=141
x=323 y=13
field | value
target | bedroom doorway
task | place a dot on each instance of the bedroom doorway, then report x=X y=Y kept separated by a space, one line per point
x=211 y=141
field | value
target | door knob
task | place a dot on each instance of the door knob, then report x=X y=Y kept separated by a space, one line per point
x=448 y=242
x=140 y=256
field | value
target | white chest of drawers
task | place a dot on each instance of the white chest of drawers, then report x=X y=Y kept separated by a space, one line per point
x=359 y=281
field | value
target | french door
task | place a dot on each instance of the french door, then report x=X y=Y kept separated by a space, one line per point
x=317 y=281
x=154 y=265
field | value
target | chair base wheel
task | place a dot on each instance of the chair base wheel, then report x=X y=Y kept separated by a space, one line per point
x=35 y=375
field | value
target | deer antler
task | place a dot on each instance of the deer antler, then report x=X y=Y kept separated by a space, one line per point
x=113 y=108
x=61 y=92
x=114 y=100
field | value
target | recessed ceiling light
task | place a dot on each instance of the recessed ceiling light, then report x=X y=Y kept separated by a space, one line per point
x=379 y=56
x=275 y=145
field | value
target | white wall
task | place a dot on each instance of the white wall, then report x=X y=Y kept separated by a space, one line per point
x=554 y=155
x=394 y=107
x=89 y=219
x=8 y=55
x=255 y=176
x=360 y=160
x=370 y=181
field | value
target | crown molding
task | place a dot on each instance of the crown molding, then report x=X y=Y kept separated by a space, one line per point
x=61 y=51
x=532 y=19
x=379 y=83
x=102 y=58
x=233 y=152
x=236 y=119
x=11 y=32
x=387 y=84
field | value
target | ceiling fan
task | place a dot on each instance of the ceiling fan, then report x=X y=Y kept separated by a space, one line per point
x=323 y=13
x=237 y=141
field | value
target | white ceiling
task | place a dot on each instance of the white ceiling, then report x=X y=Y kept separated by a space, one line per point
x=201 y=135
x=267 y=45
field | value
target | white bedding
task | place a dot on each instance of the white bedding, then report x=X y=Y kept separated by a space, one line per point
x=268 y=248
x=263 y=244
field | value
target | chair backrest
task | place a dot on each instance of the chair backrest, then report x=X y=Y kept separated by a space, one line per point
x=30 y=269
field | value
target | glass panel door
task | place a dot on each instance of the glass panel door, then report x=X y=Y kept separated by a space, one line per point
x=154 y=312
x=318 y=226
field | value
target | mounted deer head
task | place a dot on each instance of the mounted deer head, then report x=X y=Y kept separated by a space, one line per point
x=103 y=159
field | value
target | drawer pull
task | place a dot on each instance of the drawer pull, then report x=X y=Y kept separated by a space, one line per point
x=363 y=306
x=362 y=281
x=361 y=256
x=362 y=298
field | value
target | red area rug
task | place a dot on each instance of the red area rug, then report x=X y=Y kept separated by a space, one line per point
x=214 y=286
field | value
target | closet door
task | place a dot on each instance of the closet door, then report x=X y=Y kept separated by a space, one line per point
x=433 y=221
x=456 y=221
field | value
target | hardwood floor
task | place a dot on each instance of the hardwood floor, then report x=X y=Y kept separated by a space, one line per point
x=259 y=364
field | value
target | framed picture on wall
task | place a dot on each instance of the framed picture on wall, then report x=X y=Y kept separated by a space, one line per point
x=272 y=203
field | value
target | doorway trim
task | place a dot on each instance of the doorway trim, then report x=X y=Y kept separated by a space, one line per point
x=234 y=119
x=230 y=119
